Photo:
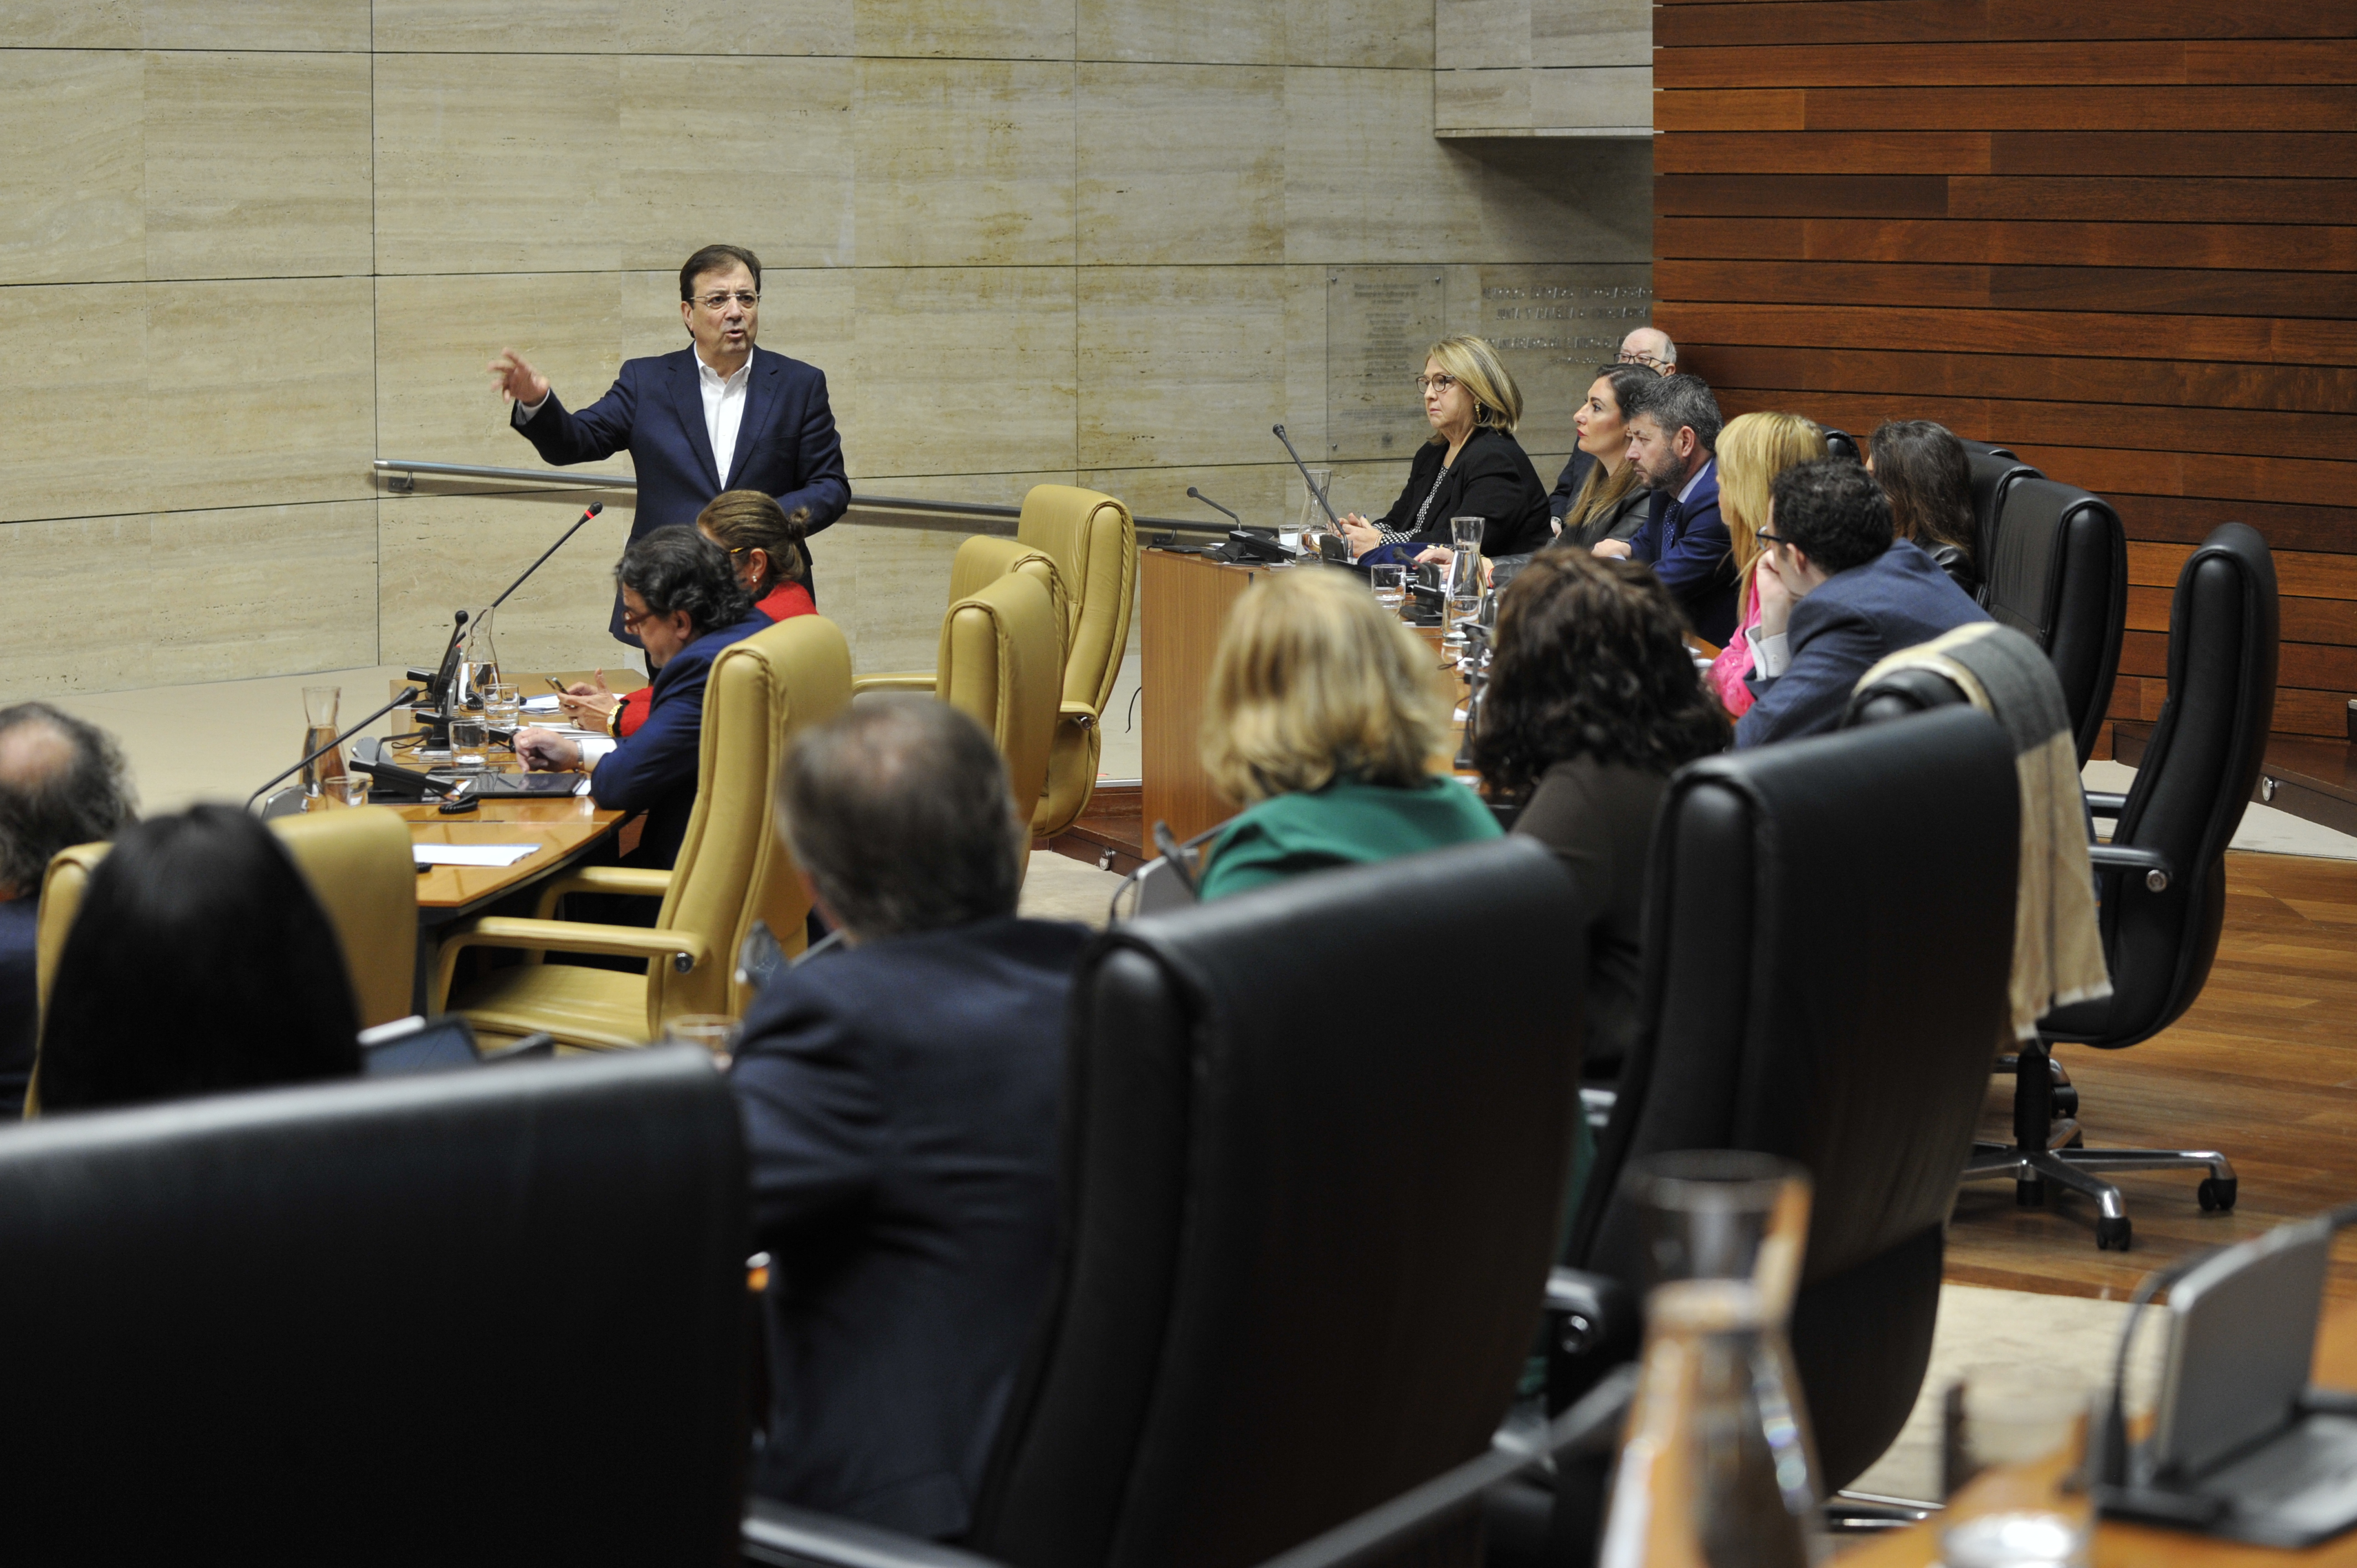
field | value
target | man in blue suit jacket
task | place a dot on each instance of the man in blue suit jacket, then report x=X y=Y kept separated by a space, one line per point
x=682 y=598
x=900 y=1114
x=1838 y=595
x=681 y=414
x=1672 y=432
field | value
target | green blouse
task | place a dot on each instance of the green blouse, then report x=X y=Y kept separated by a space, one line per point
x=1349 y=822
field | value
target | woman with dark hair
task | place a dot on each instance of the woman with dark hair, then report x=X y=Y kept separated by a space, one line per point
x=765 y=546
x=1613 y=500
x=1922 y=467
x=1592 y=703
x=200 y=963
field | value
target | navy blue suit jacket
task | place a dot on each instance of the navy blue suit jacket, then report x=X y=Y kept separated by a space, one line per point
x=900 y=1104
x=654 y=770
x=19 y=1009
x=786 y=444
x=1845 y=628
x=1689 y=550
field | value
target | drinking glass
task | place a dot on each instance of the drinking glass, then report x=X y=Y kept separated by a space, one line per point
x=715 y=1032
x=351 y=789
x=320 y=706
x=1465 y=533
x=468 y=737
x=1390 y=585
x=503 y=706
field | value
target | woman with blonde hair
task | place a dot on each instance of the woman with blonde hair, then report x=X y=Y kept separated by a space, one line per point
x=1752 y=450
x=1473 y=465
x=1324 y=717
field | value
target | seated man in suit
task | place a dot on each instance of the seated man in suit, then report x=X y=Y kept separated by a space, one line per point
x=61 y=783
x=682 y=598
x=720 y=414
x=900 y=1113
x=1674 y=426
x=1836 y=592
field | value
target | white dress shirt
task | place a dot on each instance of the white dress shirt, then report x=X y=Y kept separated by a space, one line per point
x=724 y=409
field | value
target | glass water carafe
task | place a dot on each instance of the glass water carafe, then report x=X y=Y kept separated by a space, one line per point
x=1718 y=1467
x=320 y=706
x=479 y=670
x=1464 y=585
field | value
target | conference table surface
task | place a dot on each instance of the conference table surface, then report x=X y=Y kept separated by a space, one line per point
x=2122 y=1545
x=566 y=828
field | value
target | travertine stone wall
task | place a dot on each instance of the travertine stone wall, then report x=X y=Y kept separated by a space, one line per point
x=247 y=247
x=1543 y=68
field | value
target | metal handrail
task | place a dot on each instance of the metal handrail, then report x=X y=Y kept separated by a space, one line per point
x=590 y=479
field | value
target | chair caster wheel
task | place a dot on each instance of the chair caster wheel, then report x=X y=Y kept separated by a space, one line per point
x=2078 y=1141
x=2066 y=1101
x=2216 y=1194
x=2112 y=1235
x=2029 y=1194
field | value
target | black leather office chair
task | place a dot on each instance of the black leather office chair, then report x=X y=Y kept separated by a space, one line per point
x=1840 y=443
x=2056 y=569
x=1984 y=449
x=2163 y=877
x=1825 y=980
x=1310 y=1204
x=1994 y=472
x=473 y=1317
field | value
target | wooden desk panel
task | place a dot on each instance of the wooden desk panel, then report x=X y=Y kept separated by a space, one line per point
x=1183 y=602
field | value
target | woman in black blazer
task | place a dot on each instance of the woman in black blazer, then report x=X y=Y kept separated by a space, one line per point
x=1472 y=467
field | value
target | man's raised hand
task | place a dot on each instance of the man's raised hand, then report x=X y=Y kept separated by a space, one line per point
x=514 y=379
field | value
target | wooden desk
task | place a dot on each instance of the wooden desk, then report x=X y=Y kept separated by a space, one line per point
x=2121 y=1545
x=1183 y=603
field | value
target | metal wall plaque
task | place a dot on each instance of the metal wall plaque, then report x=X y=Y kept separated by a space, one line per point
x=1379 y=321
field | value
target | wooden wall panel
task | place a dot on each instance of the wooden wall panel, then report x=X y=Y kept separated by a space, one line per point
x=2121 y=240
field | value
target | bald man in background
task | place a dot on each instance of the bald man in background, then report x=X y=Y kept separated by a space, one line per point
x=1647 y=346
x=62 y=782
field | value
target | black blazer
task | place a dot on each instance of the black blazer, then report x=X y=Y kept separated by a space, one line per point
x=1600 y=821
x=900 y=1104
x=1492 y=479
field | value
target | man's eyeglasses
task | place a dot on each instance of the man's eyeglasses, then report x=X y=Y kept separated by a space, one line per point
x=633 y=620
x=1434 y=383
x=1638 y=357
x=716 y=302
x=1764 y=537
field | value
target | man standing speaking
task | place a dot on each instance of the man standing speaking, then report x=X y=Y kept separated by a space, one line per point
x=720 y=415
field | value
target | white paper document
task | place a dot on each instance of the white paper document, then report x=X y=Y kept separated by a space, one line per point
x=493 y=854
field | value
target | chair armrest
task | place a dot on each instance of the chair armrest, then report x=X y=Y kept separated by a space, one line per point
x=2157 y=871
x=630 y=880
x=791 y=1537
x=1075 y=709
x=905 y=681
x=2103 y=803
x=1593 y=1324
x=685 y=949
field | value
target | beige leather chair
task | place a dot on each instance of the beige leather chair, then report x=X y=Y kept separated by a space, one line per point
x=732 y=869
x=1091 y=541
x=1092 y=538
x=359 y=868
x=1001 y=665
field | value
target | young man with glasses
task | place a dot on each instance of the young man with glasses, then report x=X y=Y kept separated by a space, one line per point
x=1837 y=593
x=720 y=414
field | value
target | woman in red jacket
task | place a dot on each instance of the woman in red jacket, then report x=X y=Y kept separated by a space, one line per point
x=765 y=545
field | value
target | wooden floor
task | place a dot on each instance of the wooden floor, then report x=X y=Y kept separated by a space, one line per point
x=2263 y=1068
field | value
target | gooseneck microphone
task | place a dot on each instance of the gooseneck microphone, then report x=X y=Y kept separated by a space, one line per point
x=1215 y=506
x=595 y=508
x=1323 y=504
x=408 y=696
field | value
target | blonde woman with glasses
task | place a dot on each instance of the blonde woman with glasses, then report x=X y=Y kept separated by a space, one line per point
x=1752 y=450
x=1473 y=465
x=1325 y=718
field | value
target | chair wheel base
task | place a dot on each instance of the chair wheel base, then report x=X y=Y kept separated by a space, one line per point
x=2112 y=1235
x=2217 y=1193
x=2029 y=1194
x=2066 y=1099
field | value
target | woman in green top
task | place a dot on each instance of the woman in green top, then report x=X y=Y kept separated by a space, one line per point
x=1325 y=718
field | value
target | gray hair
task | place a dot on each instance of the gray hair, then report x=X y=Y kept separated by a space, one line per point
x=1677 y=403
x=1669 y=353
x=50 y=802
x=901 y=813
